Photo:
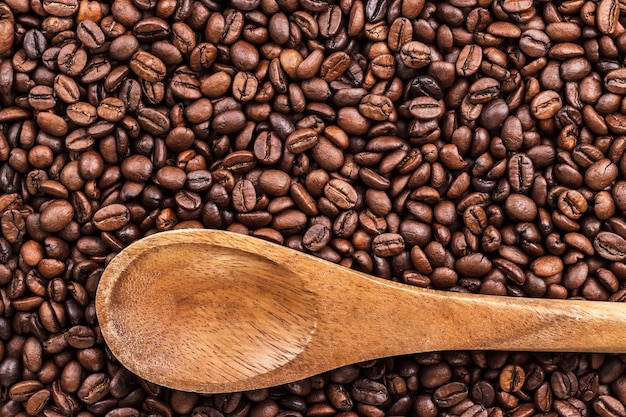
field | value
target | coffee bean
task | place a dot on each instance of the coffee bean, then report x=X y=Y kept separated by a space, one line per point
x=600 y=174
x=35 y=44
x=547 y=265
x=369 y=392
x=521 y=173
x=334 y=66
x=376 y=107
x=450 y=394
x=230 y=121
x=316 y=237
x=610 y=246
x=90 y=34
x=545 y=104
x=56 y=215
x=606 y=405
x=301 y=140
x=153 y=121
x=72 y=59
x=469 y=60
x=520 y=207
x=388 y=244
x=244 y=196
x=572 y=203
x=564 y=384
x=473 y=265
x=426 y=108
x=112 y=217
x=341 y=193
x=8 y=34
x=415 y=54
x=607 y=16
x=147 y=66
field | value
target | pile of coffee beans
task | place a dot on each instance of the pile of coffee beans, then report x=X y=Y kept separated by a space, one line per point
x=463 y=145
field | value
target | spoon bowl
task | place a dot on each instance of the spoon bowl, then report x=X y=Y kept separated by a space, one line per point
x=212 y=311
x=245 y=302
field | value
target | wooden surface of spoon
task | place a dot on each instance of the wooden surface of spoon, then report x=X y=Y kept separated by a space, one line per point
x=212 y=311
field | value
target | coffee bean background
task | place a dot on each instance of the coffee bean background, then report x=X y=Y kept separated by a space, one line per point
x=463 y=145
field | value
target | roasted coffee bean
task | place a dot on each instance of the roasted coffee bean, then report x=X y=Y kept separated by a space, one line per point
x=469 y=60
x=90 y=34
x=376 y=107
x=35 y=44
x=41 y=97
x=369 y=392
x=521 y=173
x=388 y=244
x=426 y=108
x=341 y=193
x=56 y=215
x=244 y=196
x=301 y=140
x=112 y=217
x=564 y=384
x=610 y=246
x=415 y=54
x=147 y=66
x=316 y=237
x=72 y=59
x=375 y=10
x=153 y=121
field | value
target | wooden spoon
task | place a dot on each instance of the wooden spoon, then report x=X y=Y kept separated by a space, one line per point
x=212 y=311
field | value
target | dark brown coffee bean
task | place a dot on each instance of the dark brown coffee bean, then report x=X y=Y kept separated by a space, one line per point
x=473 y=265
x=572 y=203
x=72 y=59
x=94 y=388
x=90 y=34
x=334 y=66
x=469 y=60
x=244 y=196
x=426 y=108
x=600 y=174
x=376 y=107
x=81 y=113
x=520 y=207
x=153 y=121
x=230 y=121
x=245 y=86
x=415 y=54
x=369 y=392
x=60 y=8
x=606 y=405
x=147 y=66
x=521 y=173
x=41 y=97
x=316 y=237
x=7 y=29
x=564 y=384
x=607 y=15
x=341 y=194
x=268 y=148
x=450 y=394
x=56 y=215
x=610 y=246
x=111 y=218
x=301 y=140
x=388 y=244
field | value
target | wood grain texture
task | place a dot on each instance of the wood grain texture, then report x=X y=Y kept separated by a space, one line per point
x=212 y=311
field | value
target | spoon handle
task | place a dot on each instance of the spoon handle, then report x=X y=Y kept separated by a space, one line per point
x=411 y=320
